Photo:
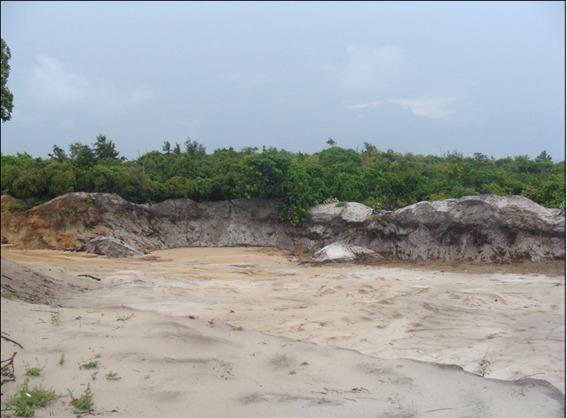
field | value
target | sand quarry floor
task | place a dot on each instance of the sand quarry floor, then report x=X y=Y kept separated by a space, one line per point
x=251 y=332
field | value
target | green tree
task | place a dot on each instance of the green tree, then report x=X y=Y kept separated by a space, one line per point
x=385 y=180
x=28 y=184
x=58 y=153
x=7 y=98
x=194 y=148
x=177 y=187
x=104 y=149
x=262 y=174
x=82 y=155
x=370 y=149
x=543 y=156
x=301 y=190
x=60 y=178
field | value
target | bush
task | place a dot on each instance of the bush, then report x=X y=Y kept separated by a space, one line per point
x=25 y=401
x=85 y=403
x=383 y=180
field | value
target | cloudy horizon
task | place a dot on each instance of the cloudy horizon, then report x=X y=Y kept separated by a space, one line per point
x=426 y=78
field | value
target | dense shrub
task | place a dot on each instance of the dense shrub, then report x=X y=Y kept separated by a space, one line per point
x=384 y=180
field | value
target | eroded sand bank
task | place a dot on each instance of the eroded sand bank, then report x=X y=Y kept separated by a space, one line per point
x=190 y=304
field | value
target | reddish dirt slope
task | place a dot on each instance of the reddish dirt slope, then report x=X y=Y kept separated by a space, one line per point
x=60 y=223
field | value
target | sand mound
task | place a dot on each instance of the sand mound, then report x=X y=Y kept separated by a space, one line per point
x=30 y=285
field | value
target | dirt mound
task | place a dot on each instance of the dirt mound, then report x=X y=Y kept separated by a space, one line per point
x=110 y=246
x=62 y=223
x=479 y=228
x=474 y=228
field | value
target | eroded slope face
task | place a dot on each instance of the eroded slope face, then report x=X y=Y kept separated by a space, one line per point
x=477 y=228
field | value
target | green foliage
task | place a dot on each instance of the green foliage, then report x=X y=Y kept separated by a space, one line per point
x=58 y=154
x=562 y=207
x=104 y=149
x=382 y=180
x=375 y=203
x=543 y=156
x=33 y=371
x=301 y=190
x=194 y=148
x=177 y=187
x=61 y=361
x=60 y=178
x=112 y=376
x=82 y=155
x=7 y=98
x=85 y=403
x=91 y=364
x=25 y=401
x=23 y=205
x=263 y=174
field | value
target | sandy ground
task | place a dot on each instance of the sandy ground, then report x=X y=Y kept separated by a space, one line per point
x=250 y=332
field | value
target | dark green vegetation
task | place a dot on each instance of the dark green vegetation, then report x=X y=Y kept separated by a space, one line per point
x=382 y=180
x=6 y=97
x=33 y=371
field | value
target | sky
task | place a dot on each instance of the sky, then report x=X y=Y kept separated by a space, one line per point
x=425 y=78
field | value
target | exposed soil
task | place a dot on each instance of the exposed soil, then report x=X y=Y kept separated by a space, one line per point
x=238 y=322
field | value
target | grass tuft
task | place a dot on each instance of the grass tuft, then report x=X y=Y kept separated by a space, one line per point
x=112 y=376
x=85 y=402
x=25 y=401
x=91 y=364
x=62 y=360
x=33 y=371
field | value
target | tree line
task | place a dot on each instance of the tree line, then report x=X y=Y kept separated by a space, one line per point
x=380 y=179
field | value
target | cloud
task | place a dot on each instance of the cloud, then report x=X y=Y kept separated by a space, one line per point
x=369 y=68
x=370 y=105
x=52 y=84
x=431 y=108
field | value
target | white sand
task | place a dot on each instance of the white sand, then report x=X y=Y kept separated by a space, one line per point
x=510 y=323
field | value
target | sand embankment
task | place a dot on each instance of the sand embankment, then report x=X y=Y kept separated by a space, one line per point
x=486 y=229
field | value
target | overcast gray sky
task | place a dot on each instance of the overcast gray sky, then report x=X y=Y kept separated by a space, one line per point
x=414 y=77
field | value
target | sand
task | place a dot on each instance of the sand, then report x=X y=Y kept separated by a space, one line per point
x=245 y=332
